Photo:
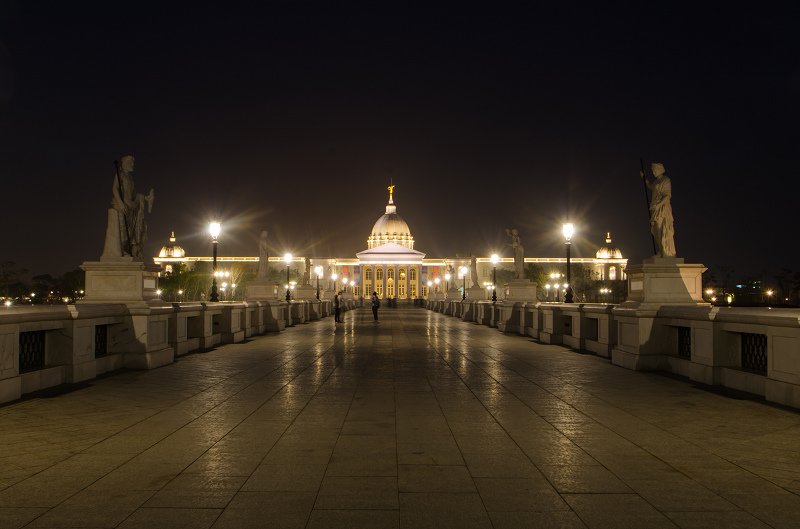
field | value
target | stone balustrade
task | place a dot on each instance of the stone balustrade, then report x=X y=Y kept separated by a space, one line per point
x=46 y=346
x=756 y=350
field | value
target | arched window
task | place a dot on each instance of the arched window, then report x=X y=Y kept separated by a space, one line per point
x=379 y=274
x=390 y=273
x=368 y=274
x=612 y=273
x=412 y=274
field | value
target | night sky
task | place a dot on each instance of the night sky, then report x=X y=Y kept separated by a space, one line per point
x=295 y=120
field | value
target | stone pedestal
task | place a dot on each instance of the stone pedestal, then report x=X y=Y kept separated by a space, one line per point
x=521 y=290
x=657 y=282
x=261 y=290
x=660 y=280
x=511 y=312
x=305 y=292
x=476 y=293
x=120 y=281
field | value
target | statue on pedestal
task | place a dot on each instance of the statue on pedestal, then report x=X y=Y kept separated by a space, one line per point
x=127 y=231
x=519 y=259
x=263 y=257
x=661 y=221
x=474 y=272
x=307 y=272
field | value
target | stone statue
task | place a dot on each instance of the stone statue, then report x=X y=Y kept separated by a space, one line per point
x=263 y=256
x=661 y=222
x=307 y=272
x=126 y=231
x=519 y=258
x=474 y=272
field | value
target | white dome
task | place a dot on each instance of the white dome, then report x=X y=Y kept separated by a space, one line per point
x=608 y=251
x=172 y=249
x=390 y=228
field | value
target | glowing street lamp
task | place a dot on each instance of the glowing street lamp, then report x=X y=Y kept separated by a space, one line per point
x=436 y=280
x=568 y=230
x=344 y=282
x=463 y=270
x=430 y=284
x=334 y=276
x=495 y=259
x=318 y=271
x=214 y=229
x=287 y=257
x=447 y=277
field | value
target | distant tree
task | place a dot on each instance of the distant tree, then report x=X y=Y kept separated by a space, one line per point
x=72 y=283
x=10 y=276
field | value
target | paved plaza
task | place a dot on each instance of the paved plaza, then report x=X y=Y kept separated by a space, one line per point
x=420 y=421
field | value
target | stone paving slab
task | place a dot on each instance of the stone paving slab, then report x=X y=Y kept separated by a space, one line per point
x=420 y=421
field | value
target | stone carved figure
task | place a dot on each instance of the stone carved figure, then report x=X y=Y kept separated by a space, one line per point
x=307 y=272
x=661 y=221
x=519 y=255
x=263 y=256
x=126 y=231
x=474 y=272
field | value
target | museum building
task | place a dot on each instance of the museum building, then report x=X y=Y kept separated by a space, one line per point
x=392 y=267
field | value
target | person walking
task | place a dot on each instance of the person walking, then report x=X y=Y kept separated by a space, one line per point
x=376 y=303
x=336 y=309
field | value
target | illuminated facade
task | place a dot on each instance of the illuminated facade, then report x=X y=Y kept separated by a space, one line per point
x=391 y=267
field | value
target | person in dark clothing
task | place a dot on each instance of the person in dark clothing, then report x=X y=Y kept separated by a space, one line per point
x=336 y=309
x=376 y=303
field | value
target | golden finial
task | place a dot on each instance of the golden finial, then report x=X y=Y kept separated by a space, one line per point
x=391 y=190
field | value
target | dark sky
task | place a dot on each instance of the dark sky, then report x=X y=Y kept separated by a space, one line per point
x=294 y=119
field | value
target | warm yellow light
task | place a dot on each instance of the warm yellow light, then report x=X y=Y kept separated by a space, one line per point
x=233 y=285
x=568 y=230
x=318 y=271
x=770 y=293
x=495 y=258
x=180 y=292
x=463 y=270
x=447 y=276
x=729 y=299
x=287 y=257
x=214 y=229
x=158 y=292
x=437 y=280
x=547 y=287
x=334 y=276
x=430 y=283
x=709 y=291
x=344 y=280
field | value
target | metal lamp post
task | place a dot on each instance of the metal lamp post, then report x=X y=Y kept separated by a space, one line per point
x=568 y=230
x=318 y=271
x=214 y=229
x=495 y=260
x=288 y=258
x=447 y=277
x=334 y=276
x=430 y=284
x=464 y=271
x=437 y=281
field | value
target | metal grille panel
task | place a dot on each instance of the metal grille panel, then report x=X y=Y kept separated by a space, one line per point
x=754 y=353
x=685 y=342
x=31 y=351
x=100 y=341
